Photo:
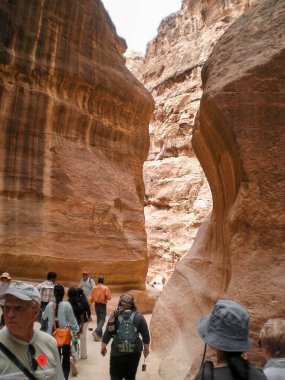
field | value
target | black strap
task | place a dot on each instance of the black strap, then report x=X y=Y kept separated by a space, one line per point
x=204 y=355
x=208 y=371
x=17 y=362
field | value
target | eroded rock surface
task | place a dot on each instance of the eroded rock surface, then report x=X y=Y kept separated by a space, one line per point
x=239 y=140
x=178 y=197
x=74 y=136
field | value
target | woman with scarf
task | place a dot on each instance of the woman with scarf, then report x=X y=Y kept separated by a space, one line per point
x=123 y=365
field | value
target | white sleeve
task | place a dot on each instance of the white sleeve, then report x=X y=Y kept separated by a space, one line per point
x=71 y=319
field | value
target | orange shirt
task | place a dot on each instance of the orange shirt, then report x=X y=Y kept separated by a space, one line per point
x=100 y=294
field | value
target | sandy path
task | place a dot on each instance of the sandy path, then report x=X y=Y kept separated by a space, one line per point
x=96 y=367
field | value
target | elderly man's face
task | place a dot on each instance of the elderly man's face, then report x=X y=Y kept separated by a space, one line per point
x=85 y=276
x=20 y=316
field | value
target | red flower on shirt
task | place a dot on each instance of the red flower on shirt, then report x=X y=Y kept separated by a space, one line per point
x=42 y=360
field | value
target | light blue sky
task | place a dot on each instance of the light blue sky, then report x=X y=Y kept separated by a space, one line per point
x=137 y=20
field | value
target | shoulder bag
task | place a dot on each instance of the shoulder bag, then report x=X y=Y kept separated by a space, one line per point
x=62 y=336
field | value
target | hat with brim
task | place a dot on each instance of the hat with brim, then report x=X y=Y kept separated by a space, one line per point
x=226 y=327
x=5 y=275
x=23 y=291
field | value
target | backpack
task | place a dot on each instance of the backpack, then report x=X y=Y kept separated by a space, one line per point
x=126 y=335
x=208 y=371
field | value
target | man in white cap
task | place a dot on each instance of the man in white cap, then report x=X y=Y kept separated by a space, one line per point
x=24 y=351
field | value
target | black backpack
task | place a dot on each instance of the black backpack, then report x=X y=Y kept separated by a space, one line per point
x=208 y=371
x=126 y=335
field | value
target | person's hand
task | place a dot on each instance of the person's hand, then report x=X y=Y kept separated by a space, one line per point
x=145 y=351
x=90 y=319
x=103 y=350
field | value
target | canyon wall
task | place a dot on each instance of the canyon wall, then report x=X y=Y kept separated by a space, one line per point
x=239 y=139
x=178 y=196
x=74 y=136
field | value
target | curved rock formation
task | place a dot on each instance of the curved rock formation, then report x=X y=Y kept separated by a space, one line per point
x=74 y=136
x=239 y=140
x=178 y=197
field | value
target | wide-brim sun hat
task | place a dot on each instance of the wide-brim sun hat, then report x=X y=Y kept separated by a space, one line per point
x=226 y=327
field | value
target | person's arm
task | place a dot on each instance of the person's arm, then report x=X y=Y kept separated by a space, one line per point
x=105 y=340
x=46 y=313
x=91 y=298
x=145 y=350
x=103 y=349
x=143 y=330
x=108 y=294
x=71 y=318
x=88 y=310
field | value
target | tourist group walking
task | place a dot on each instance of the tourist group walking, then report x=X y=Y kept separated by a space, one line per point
x=51 y=351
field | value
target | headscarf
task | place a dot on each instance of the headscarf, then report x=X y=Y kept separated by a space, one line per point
x=126 y=302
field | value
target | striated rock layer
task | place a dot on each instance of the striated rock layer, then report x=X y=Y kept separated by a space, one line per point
x=178 y=197
x=239 y=140
x=74 y=136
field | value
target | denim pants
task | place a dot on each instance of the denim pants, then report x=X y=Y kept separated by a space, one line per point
x=100 y=310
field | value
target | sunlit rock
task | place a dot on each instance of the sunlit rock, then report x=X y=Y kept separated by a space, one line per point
x=74 y=136
x=239 y=140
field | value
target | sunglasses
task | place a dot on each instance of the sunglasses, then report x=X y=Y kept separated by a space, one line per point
x=31 y=353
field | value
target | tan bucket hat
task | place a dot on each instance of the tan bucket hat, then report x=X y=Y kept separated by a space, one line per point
x=5 y=275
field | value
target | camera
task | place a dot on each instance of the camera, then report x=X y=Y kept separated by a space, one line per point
x=143 y=367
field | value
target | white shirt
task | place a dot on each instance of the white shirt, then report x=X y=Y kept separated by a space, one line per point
x=65 y=317
x=87 y=286
x=46 y=354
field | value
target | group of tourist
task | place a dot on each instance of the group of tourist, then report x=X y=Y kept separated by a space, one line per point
x=31 y=352
x=26 y=352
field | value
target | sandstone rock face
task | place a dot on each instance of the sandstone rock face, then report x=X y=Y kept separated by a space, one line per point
x=178 y=197
x=74 y=136
x=239 y=140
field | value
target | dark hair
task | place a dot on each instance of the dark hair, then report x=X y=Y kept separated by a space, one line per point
x=72 y=296
x=238 y=366
x=51 y=276
x=81 y=296
x=58 y=292
x=100 y=280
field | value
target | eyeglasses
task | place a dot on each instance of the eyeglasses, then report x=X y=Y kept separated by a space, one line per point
x=31 y=353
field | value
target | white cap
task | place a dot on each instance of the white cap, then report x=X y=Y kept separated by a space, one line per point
x=23 y=291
